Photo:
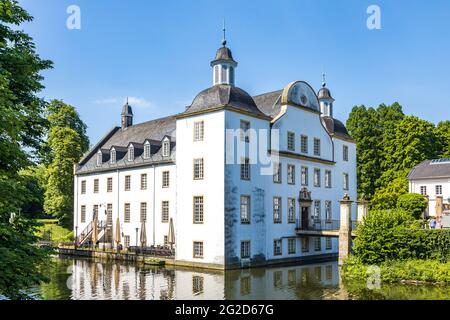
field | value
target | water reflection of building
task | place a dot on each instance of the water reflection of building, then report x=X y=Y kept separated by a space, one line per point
x=93 y=280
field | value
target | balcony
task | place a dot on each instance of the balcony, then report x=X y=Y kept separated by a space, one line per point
x=319 y=227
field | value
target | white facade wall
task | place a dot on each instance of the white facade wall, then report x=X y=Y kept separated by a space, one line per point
x=430 y=184
x=262 y=231
x=212 y=150
x=153 y=196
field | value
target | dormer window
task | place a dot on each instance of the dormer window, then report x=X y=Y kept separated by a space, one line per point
x=147 y=150
x=166 y=148
x=131 y=153
x=113 y=156
x=99 y=158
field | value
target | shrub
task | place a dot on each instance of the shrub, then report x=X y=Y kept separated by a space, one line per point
x=396 y=271
x=413 y=203
x=395 y=234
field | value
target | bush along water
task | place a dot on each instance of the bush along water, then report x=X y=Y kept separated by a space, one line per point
x=395 y=241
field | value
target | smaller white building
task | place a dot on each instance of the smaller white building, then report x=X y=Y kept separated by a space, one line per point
x=431 y=179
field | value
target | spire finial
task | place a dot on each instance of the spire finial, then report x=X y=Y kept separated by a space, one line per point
x=324 y=83
x=224 y=41
x=127 y=100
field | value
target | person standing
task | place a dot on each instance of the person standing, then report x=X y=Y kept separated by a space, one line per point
x=432 y=223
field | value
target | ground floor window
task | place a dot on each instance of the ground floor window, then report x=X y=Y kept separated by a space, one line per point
x=292 y=246
x=277 y=251
x=127 y=241
x=245 y=249
x=198 y=249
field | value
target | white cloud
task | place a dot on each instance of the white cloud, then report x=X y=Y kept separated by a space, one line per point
x=139 y=102
x=133 y=101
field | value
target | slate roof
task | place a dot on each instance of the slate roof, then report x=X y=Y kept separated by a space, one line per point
x=336 y=127
x=269 y=103
x=324 y=93
x=429 y=169
x=224 y=95
x=224 y=53
x=153 y=131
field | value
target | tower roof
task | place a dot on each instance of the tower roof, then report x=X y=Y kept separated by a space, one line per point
x=224 y=54
x=127 y=111
x=324 y=94
x=224 y=95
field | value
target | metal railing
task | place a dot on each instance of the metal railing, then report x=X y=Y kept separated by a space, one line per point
x=87 y=232
x=313 y=224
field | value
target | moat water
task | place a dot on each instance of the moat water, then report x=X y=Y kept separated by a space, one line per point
x=85 y=279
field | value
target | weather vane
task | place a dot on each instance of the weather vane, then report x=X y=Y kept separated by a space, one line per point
x=224 y=41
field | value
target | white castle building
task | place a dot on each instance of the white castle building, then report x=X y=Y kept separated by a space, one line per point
x=431 y=178
x=234 y=177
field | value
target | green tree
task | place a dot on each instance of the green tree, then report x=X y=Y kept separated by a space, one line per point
x=413 y=203
x=62 y=115
x=33 y=180
x=414 y=141
x=21 y=129
x=67 y=142
x=362 y=125
x=443 y=134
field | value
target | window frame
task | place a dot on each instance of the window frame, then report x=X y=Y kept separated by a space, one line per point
x=202 y=249
x=345 y=151
x=276 y=246
x=127 y=183
x=245 y=169
x=245 y=249
x=317 y=177
x=346 y=181
x=127 y=212
x=291 y=213
x=328 y=179
x=198 y=217
x=278 y=172
x=304 y=144
x=246 y=220
x=317 y=147
x=143 y=212
x=199 y=130
x=304 y=176
x=278 y=220
x=199 y=169
x=144 y=181
x=291 y=174
x=165 y=211
x=291 y=141
x=165 y=176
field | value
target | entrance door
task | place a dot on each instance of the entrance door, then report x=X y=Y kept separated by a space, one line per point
x=305 y=218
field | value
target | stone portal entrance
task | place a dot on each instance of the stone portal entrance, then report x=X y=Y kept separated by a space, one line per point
x=305 y=202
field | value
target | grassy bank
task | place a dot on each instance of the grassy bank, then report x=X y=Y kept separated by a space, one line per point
x=51 y=231
x=397 y=271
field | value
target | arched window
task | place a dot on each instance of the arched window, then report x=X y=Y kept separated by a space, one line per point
x=147 y=151
x=224 y=74
x=99 y=158
x=131 y=153
x=113 y=156
x=231 y=76
x=166 y=148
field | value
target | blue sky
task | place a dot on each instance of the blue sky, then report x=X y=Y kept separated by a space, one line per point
x=158 y=53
